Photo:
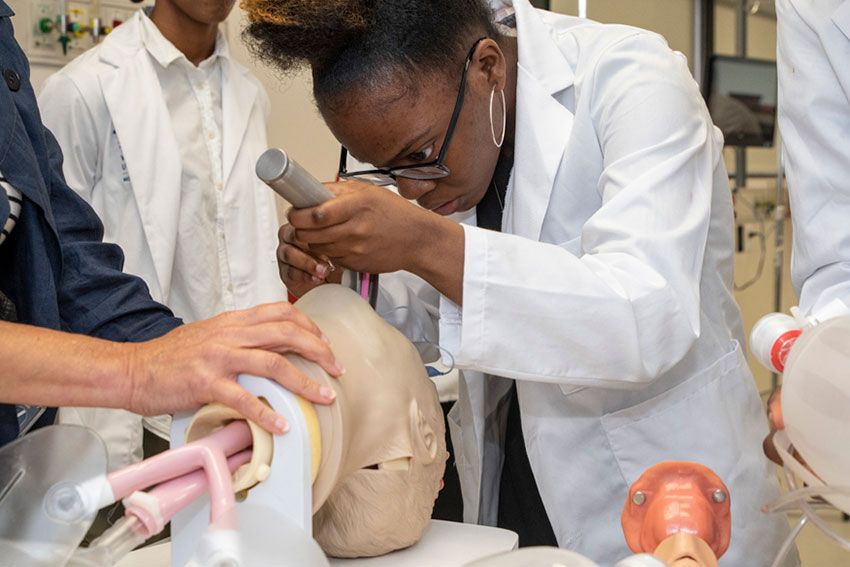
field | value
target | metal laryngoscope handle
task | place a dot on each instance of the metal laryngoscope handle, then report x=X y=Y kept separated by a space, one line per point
x=295 y=184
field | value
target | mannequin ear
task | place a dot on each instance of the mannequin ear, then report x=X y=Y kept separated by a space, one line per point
x=424 y=438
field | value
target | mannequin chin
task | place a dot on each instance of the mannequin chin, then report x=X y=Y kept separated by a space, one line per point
x=686 y=550
x=383 y=440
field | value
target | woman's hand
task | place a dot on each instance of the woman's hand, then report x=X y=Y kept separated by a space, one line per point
x=365 y=228
x=300 y=270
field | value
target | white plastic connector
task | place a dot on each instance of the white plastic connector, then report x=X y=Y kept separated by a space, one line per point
x=833 y=309
x=219 y=548
x=148 y=505
x=72 y=503
x=772 y=338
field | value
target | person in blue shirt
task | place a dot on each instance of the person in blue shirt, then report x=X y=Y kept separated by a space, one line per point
x=76 y=330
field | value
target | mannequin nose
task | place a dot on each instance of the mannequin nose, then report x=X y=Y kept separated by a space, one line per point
x=414 y=189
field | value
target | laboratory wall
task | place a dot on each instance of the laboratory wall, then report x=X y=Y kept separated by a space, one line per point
x=670 y=18
x=296 y=125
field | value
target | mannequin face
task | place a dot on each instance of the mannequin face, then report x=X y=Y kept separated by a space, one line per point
x=393 y=450
x=677 y=497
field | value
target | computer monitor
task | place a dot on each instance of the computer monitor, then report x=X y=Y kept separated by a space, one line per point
x=742 y=99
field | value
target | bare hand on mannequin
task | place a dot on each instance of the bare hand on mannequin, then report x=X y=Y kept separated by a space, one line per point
x=192 y=365
x=198 y=363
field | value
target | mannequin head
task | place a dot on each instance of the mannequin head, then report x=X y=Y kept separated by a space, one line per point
x=383 y=440
x=677 y=497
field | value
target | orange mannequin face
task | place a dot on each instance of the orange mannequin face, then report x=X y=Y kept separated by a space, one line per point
x=677 y=497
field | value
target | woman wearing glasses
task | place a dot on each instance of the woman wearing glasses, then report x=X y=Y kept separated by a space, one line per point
x=587 y=296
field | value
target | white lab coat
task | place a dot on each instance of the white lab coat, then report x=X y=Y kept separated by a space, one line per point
x=108 y=113
x=607 y=296
x=117 y=121
x=813 y=58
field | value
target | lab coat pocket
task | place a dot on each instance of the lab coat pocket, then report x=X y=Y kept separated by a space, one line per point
x=714 y=418
x=568 y=390
x=701 y=419
x=841 y=17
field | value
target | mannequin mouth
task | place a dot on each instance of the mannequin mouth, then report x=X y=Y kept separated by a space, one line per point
x=685 y=561
x=402 y=464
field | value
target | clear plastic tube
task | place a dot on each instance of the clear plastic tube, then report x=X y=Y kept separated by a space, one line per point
x=116 y=542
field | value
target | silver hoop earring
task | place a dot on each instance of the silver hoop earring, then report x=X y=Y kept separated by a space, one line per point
x=504 y=117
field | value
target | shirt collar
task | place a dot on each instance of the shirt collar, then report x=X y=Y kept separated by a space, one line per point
x=165 y=53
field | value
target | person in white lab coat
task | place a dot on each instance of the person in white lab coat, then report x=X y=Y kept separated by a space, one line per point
x=813 y=59
x=160 y=129
x=594 y=320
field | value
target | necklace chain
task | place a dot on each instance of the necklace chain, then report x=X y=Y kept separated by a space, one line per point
x=498 y=197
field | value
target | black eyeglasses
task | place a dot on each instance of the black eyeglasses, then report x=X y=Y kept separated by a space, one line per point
x=424 y=171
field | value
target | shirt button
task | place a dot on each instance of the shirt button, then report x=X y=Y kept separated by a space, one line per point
x=13 y=80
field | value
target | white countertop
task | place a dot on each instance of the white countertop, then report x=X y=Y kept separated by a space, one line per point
x=446 y=544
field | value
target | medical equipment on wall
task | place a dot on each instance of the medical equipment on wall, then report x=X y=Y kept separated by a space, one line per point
x=300 y=189
x=811 y=412
x=53 y=32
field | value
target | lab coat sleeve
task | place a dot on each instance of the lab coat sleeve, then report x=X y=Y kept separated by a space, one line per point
x=627 y=308
x=814 y=120
x=95 y=297
x=66 y=113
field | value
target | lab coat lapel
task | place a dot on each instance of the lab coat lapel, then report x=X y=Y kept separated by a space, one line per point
x=841 y=18
x=239 y=96
x=543 y=124
x=143 y=126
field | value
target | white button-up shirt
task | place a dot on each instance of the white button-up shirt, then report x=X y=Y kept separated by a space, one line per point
x=201 y=283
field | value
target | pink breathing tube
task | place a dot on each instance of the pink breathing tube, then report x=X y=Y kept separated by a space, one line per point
x=179 y=480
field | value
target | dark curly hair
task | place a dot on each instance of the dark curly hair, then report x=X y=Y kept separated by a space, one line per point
x=364 y=43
